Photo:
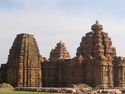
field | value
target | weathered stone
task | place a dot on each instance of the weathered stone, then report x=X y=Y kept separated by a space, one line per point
x=60 y=52
x=96 y=48
x=23 y=64
x=60 y=71
x=119 y=71
x=95 y=63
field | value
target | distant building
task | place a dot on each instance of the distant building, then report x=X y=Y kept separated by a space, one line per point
x=95 y=63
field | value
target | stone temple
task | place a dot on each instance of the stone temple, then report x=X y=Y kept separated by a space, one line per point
x=95 y=63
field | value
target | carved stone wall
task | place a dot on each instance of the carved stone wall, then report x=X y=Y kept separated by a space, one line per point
x=61 y=73
x=119 y=71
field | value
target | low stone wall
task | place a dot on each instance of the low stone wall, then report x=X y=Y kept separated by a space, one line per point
x=41 y=89
x=72 y=90
x=110 y=91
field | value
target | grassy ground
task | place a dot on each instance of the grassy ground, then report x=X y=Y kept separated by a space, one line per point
x=23 y=92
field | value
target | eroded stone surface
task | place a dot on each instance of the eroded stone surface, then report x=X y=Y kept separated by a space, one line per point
x=60 y=52
x=23 y=66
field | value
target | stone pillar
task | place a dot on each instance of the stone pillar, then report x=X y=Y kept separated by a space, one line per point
x=104 y=78
x=119 y=71
x=110 y=75
x=121 y=76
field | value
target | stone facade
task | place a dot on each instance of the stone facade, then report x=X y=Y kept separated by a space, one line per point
x=95 y=63
x=60 y=71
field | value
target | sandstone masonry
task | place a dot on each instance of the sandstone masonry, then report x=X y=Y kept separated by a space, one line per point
x=95 y=63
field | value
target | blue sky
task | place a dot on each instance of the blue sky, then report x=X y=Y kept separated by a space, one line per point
x=54 y=20
x=65 y=6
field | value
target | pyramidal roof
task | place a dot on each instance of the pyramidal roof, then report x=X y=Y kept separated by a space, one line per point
x=96 y=43
x=59 y=52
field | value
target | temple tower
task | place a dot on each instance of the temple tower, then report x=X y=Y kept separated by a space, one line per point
x=55 y=71
x=98 y=53
x=60 y=52
x=95 y=43
x=24 y=69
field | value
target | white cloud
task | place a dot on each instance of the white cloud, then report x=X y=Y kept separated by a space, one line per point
x=51 y=27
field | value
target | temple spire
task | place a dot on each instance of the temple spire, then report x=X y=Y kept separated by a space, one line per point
x=97 y=22
x=60 y=52
x=97 y=26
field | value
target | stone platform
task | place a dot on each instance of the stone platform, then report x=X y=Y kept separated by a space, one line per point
x=73 y=90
